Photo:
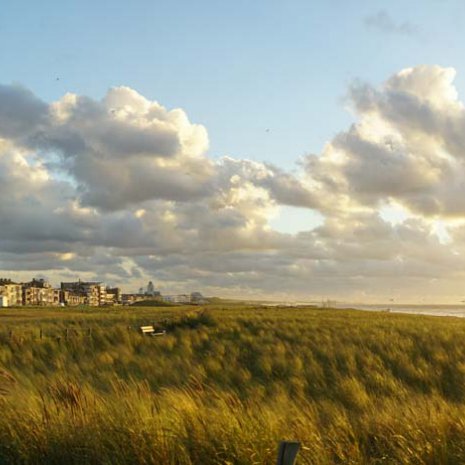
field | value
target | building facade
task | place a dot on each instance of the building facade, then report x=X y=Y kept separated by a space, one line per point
x=86 y=293
x=12 y=292
x=39 y=292
x=113 y=296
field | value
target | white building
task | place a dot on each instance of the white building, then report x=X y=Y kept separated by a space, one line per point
x=178 y=299
x=3 y=301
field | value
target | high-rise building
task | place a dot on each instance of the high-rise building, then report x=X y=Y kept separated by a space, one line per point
x=150 y=288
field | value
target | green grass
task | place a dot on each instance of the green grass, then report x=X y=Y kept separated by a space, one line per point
x=153 y=303
x=227 y=383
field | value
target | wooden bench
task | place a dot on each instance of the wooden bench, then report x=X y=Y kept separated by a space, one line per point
x=151 y=331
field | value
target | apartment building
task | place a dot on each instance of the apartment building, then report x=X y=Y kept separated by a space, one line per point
x=12 y=292
x=113 y=296
x=91 y=293
x=39 y=292
x=72 y=298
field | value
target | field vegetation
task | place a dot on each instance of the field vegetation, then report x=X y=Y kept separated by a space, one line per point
x=227 y=383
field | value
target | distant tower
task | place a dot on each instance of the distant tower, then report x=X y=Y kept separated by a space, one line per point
x=150 y=288
x=141 y=290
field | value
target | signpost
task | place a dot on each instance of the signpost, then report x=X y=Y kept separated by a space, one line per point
x=287 y=452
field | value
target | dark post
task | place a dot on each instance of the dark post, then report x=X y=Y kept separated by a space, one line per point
x=40 y=333
x=66 y=333
x=287 y=452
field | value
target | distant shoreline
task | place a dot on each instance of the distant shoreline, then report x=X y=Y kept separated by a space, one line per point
x=452 y=310
x=457 y=311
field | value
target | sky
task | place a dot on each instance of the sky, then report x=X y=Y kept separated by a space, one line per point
x=283 y=150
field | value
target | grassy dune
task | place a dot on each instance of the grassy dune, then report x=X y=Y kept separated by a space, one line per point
x=224 y=385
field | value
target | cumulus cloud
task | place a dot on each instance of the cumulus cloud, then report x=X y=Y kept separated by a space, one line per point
x=122 y=189
x=124 y=140
x=21 y=112
x=408 y=146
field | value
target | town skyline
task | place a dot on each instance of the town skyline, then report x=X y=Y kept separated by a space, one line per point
x=38 y=292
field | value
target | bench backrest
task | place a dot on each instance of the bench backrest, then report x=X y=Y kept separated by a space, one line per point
x=147 y=329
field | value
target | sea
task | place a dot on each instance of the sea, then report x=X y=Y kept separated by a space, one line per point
x=418 y=309
x=449 y=310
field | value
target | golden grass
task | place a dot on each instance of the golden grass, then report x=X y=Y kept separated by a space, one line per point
x=225 y=385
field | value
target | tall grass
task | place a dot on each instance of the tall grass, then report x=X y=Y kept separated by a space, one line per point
x=225 y=384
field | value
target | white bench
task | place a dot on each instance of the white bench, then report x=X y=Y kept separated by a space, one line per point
x=151 y=331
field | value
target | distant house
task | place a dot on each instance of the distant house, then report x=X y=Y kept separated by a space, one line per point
x=193 y=298
x=3 y=301
x=177 y=299
x=129 y=299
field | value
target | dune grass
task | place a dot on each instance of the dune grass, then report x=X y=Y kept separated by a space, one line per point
x=227 y=383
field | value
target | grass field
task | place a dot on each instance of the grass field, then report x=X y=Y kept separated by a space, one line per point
x=227 y=383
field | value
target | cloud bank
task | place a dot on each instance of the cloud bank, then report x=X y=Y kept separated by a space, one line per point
x=122 y=189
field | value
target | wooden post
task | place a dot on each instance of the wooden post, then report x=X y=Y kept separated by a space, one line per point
x=287 y=452
x=40 y=333
x=89 y=332
x=66 y=333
